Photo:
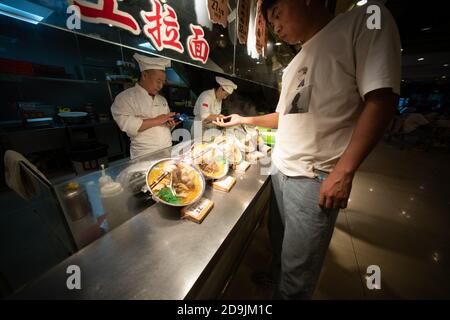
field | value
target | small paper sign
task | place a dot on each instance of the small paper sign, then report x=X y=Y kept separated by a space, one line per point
x=243 y=166
x=261 y=31
x=224 y=184
x=243 y=20
x=218 y=12
x=197 y=211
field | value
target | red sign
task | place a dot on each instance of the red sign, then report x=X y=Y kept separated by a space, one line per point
x=162 y=27
x=198 y=47
x=106 y=12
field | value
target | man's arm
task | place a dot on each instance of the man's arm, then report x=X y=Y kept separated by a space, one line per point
x=268 y=120
x=379 y=109
x=157 y=121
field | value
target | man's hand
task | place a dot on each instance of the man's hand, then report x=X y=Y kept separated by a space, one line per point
x=172 y=123
x=234 y=120
x=335 y=190
x=379 y=109
x=163 y=118
x=212 y=117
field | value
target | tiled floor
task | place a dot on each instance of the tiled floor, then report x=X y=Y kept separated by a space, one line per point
x=398 y=219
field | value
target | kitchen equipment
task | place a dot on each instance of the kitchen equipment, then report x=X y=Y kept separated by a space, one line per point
x=39 y=122
x=63 y=109
x=88 y=156
x=119 y=77
x=91 y=113
x=125 y=67
x=133 y=178
x=36 y=114
x=73 y=117
x=114 y=202
x=76 y=201
x=104 y=179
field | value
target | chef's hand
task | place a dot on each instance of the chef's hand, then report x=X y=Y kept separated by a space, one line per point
x=162 y=119
x=234 y=120
x=335 y=190
x=172 y=123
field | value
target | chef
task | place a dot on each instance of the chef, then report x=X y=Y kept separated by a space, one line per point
x=209 y=105
x=142 y=113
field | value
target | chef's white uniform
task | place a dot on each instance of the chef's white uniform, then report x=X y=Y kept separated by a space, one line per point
x=130 y=108
x=206 y=105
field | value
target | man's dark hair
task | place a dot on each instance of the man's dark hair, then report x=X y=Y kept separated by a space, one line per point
x=265 y=6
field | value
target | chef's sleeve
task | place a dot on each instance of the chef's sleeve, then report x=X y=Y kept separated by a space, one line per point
x=122 y=113
x=202 y=107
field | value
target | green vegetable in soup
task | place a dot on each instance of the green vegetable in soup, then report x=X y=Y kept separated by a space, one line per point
x=221 y=159
x=167 y=195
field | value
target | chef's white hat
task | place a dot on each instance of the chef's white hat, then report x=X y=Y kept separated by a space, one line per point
x=147 y=63
x=226 y=84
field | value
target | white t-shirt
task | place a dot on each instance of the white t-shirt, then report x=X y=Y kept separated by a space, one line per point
x=130 y=108
x=324 y=86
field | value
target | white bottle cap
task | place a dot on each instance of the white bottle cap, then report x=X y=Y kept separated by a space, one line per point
x=111 y=189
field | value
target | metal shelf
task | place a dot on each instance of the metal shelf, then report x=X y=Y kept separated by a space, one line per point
x=19 y=78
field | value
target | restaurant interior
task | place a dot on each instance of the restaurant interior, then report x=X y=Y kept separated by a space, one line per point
x=398 y=213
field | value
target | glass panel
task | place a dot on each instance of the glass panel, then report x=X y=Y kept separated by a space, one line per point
x=91 y=213
x=188 y=12
x=225 y=56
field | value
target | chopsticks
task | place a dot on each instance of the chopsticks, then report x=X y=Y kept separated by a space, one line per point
x=160 y=178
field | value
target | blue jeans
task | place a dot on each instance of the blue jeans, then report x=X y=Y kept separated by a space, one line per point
x=300 y=233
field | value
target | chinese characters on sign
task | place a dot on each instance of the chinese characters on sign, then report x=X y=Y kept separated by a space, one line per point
x=261 y=31
x=106 y=12
x=218 y=12
x=198 y=47
x=162 y=28
x=161 y=25
x=243 y=20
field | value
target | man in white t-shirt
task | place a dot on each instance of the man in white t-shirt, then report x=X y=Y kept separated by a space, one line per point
x=338 y=96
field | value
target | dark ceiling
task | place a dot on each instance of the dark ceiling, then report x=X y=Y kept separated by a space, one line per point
x=424 y=25
x=425 y=34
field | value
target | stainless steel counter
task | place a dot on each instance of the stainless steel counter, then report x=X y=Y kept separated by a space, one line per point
x=155 y=255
